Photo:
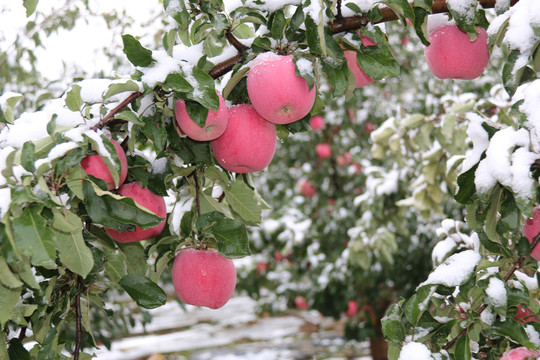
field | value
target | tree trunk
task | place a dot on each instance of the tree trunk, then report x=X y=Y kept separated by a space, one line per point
x=379 y=348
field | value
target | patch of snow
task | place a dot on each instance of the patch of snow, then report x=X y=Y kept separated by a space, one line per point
x=496 y=292
x=415 y=351
x=455 y=270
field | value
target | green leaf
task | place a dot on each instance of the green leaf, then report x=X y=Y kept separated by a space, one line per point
x=73 y=251
x=195 y=152
x=130 y=116
x=145 y=292
x=117 y=212
x=393 y=330
x=233 y=81
x=197 y=112
x=30 y=6
x=7 y=277
x=154 y=130
x=512 y=329
x=463 y=348
x=176 y=82
x=402 y=8
x=134 y=257
x=34 y=238
x=338 y=75
x=467 y=188
x=6 y=114
x=243 y=202
x=204 y=91
x=465 y=15
x=28 y=156
x=120 y=87
x=17 y=351
x=378 y=62
x=278 y=24
x=8 y=301
x=312 y=34
x=231 y=236
x=135 y=52
x=73 y=100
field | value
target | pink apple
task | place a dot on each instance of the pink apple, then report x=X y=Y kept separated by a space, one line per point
x=149 y=200
x=324 y=151
x=262 y=266
x=360 y=77
x=352 y=308
x=452 y=55
x=249 y=142
x=525 y=315
x=519 y=353
x=301 y=303
x=95 y=166
x=307 y=189
x=203 y=277
x=216 y=121
x=531 y=229
x=369 y=127
x=316 y=122
x=276 y=92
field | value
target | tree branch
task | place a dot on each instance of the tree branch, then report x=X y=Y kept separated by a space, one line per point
x=78 y=320
x=117 y=109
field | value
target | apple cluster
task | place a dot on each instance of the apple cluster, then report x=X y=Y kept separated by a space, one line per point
x=95 y=165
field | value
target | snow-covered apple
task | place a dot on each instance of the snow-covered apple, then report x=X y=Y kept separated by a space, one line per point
x=249 y=142
x=95 y=166
x=360 y=77
x=316 y=122
x=324 y=151
x=203 y=277
x=147 y=199
x=452 y=55
x=216 y=121
x=531 y=229
x=276 y=92
x=519 y=353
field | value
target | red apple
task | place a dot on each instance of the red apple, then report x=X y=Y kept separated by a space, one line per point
x=324 y=151
x=203 y=277
x=452 y=55
x=95 y=166
x=316 y=122
x=149 y=200
x=531 y=229
x=276 y=92
x=360 y=77
x=519 y=353
x=301 y=303
x=249 y=142
x=525 y=315
x=369 y=127
x=262 y=266
x=307 y=189
x=216 y=121
x=352 y=309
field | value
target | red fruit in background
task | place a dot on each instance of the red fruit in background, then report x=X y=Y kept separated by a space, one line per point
x=324 y=151
x=360 y=77
x=369 y=127
x=216 y=121
x=531 y=229
x=452 y=54
x=525 y=315
x=262 y=266
x=307 y=189
x=343 y=159
x=276 y=92
x=301 y=303
x=249 y=142
x=352 y=308
x=519 y=353
x=95 y=166
x=149 y=200
x=203 y=277
x=316 y=122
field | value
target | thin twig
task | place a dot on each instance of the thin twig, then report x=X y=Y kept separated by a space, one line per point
x=117 y=109
x=197 y=190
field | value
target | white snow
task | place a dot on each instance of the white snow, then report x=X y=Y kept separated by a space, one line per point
x=267 y=5
x=530 y=108
x=415 y=351
x=479 y=138
x=496 y=292
x=455 y=270
x=5 y=201
x=533 y=335
x=436 y=21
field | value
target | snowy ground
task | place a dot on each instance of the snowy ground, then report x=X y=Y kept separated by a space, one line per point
x=234 y=332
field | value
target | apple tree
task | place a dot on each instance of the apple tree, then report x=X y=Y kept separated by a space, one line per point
x=102 y=188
